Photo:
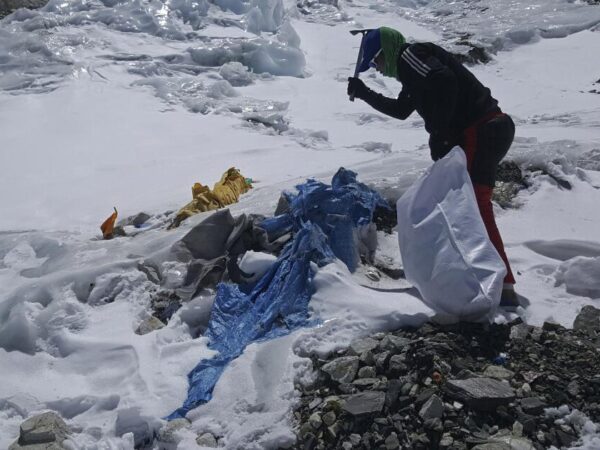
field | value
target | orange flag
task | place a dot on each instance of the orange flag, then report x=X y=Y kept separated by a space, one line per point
x=108 y=225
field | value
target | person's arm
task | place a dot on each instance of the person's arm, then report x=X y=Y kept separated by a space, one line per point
x=399 y=108
x=438 y=82
x=438 y=79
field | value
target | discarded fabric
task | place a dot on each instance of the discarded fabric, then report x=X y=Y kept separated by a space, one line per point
x=324 y=221
x=277 y=305
x=108 y=225
x=225 y=192
x=213 y=247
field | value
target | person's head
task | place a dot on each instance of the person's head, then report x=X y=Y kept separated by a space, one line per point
x=380 y=51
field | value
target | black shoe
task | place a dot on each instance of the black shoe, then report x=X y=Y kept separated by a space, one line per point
x=509 y=299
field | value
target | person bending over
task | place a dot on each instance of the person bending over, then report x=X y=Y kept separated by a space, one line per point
x=457 y=109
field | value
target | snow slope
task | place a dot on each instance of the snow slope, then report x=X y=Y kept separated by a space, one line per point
x=127 y=104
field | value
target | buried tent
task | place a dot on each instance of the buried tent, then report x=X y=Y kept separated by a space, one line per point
x=326 y=221
x=225 y=192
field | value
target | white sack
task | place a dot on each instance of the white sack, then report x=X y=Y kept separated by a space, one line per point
x=445 y=249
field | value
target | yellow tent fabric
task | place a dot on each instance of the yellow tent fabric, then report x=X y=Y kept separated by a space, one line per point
x=225 y=192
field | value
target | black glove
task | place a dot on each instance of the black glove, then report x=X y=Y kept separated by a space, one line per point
x=357 y=87
x=439 y=146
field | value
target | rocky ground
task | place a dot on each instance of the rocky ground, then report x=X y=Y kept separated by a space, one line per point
x=486 y=387
x=8 y=6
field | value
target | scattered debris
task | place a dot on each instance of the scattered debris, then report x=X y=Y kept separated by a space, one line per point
x=225 y=192
x=108 y=228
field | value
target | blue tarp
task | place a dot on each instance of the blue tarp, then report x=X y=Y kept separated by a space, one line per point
x=338 y=210
x=324 y=221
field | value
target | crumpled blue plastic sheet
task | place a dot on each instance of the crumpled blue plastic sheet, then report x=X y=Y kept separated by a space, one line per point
x=339 y=210
x=324 y=219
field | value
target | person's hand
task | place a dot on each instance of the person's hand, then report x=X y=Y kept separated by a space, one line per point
x=440 y=146
x=356 y=87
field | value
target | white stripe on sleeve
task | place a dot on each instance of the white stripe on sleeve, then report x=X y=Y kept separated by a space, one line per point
x=419 y=67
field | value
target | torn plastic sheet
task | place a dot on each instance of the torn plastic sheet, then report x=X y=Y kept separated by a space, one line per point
x=276 y=305
x=325 y=221
x=339 y=210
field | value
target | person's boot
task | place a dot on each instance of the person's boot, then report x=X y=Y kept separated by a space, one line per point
x=509 y=298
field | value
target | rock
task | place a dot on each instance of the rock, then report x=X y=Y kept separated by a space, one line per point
x=354 y=439
x=367 y=358
x=47 y=429
x=329 y=418
x=533 y=405
x=392 y=394
x=551 y=326
x=396 y=364
x=130 y=421
x=315 y=420
x=513 y=442
x=137 y=221
x=207 y=440
x=493 y=446
x=451 y=413
x=332 y=403
x=364 y=403
x=420 y=441
x=45 y=446
x=365 y=382
x=165 y=304
x=359 y=346
x=498 y=372
x=367 y=372
x=333 y=431
x=509 y=171
x=466 y=374
x=517 y=429
x=168 y=433
x=392 y=442
x=446 y=441
x=424 y=396
x=347 y=388
x=314 y=403
x=8 y=6
x=536 y=334
x=404 y=401
x=480 y=393
x=381 y=360
x=149 y=325
x=565 y=439
x=505 y=193
x=434 y=425
x=519 y=332
x=432 y=409
x=151 y=271
x=305 y=430
x=573 y=388
x=342 y=370
x=393 y=343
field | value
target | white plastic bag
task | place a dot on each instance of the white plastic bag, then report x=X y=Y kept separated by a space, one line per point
x=445 y=248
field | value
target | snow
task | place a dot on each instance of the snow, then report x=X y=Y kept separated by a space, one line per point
x=128 y=103
x=589 y=431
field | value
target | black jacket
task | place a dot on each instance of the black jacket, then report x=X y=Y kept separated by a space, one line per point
x=445 y=94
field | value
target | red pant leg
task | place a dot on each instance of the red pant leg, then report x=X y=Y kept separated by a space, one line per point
x=483 y=194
